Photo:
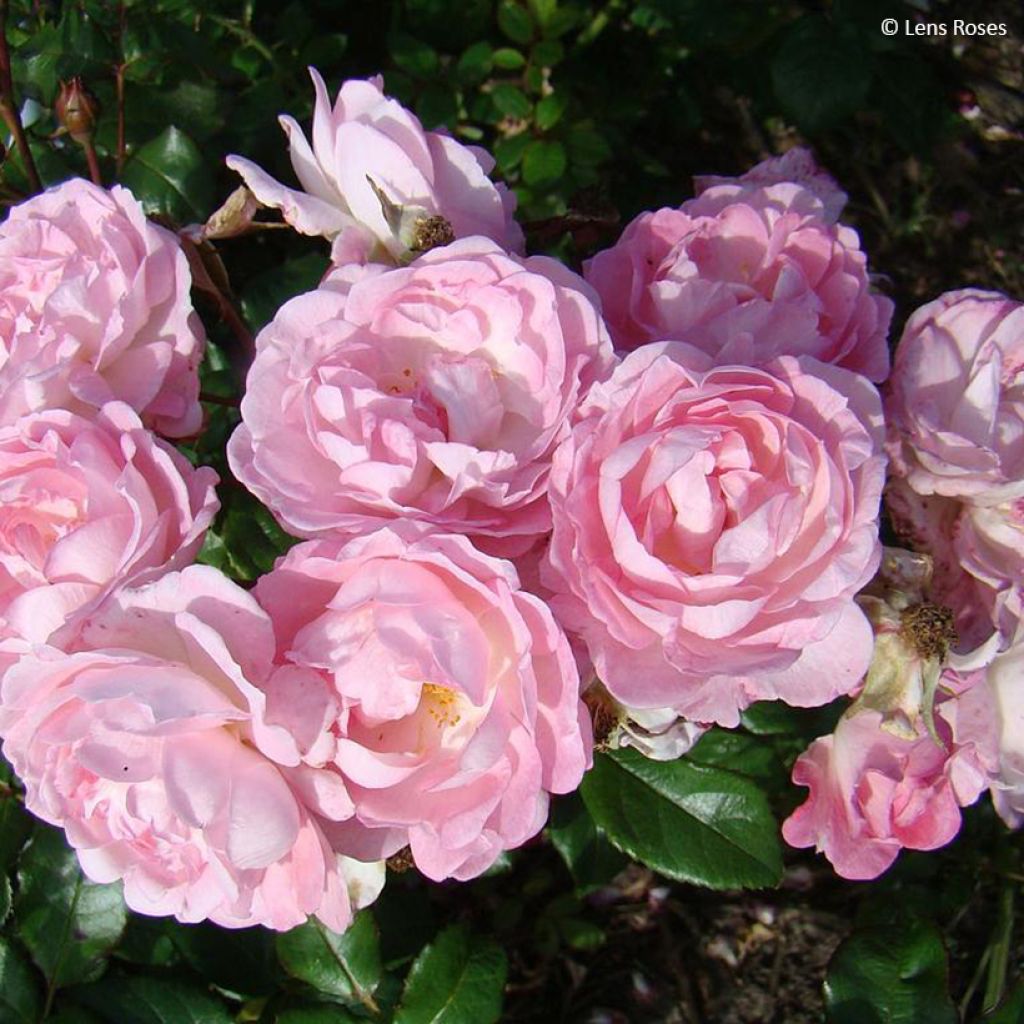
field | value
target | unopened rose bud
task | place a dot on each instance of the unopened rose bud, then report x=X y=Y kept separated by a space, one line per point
x=77 y=110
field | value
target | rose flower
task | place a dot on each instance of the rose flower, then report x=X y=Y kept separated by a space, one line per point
x=94 y=306
x=711 y=528
x=414 y=670
x=436 y=392
x=143 y=744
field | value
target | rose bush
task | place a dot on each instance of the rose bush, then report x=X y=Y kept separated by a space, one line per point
x=711 y=526
x=88 y=506
x=436 y=393
x=414 y=671
x=94 y=306
x=703 y=519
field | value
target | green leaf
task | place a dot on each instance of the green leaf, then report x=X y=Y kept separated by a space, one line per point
x=548 y=53
x=821 y=71
x=543 y=162
x=70 y=1012
x=315 y=1013
x=561 y=20
x=693 y=823
x=198 y=104
x=587 y=146
x=69 y=925
x=890 y=973
x=743 y=754
x=510 y=100
x=346 y=966
x=168 y=176
x=15 y=826
x=549 y=111
x=476 y=62
x=149 y=999
x=413 y=56
x=237 y=960
x=458 y=979
x=20 y=1000
x=437 y=106
x=515 y=21
x=508 y=59
x=77 y=46
x=770 y=718
x=147 y=941
x=1010 y=1011
x=248 y=538
x=265 y=293
x=543 y=10
x=508 y=152
x=323 y=50
x=591 y=859
x=5 y=897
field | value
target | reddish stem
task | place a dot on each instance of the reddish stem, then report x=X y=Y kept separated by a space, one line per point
x=121 y=144
x=93 y=161
x=9 y=106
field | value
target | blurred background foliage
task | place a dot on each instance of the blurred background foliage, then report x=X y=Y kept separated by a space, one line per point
x=593 y=111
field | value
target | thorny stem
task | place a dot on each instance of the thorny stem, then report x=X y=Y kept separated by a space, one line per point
x=9 y=108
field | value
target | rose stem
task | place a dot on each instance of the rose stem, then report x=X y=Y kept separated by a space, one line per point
x=9 y=108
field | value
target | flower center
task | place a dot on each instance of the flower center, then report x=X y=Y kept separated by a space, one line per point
x=441 y=703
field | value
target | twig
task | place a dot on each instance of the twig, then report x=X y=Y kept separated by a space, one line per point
x=203 y=280
x=205 y=396
x=119 y=79
x=93 y=162
x=9 y=107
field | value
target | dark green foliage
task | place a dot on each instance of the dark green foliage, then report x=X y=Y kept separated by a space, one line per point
x=890 y=973
x=691 y=822
x=457 y=979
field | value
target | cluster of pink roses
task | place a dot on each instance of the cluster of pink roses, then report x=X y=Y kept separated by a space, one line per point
x=499 y=511
x=940 y=717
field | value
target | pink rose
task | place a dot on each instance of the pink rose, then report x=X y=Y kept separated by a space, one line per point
x=141 y=745
x=435 y=392
x=711 y=527
x=414 y=670
x=368 y=147
x=956 y=398
x=796 y=166
x=745 y=273
x=990 y=546
x=978 y=554
x=1006 y=681
x=94 y=306
x=89 y=506
x=874 y=791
